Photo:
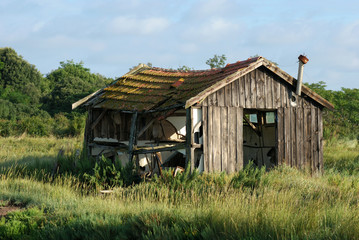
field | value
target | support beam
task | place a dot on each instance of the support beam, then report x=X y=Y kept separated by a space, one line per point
x=132 y=136
x=189 y=157
x=94 y=124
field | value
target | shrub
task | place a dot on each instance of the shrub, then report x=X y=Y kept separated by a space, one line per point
x=249 y=177
x=20 y=224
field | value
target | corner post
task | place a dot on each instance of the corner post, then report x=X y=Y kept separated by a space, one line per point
x=132 y=139
x=189 y=152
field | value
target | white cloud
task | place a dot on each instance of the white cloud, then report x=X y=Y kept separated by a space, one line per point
x=133 y=25
x=213 y=30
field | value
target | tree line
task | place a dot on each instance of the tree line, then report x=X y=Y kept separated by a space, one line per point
x=40 y=105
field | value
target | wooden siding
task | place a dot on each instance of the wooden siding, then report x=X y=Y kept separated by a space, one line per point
x=299 y=128
x=222 y=138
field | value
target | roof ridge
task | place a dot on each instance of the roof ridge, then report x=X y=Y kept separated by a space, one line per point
x=171 y=70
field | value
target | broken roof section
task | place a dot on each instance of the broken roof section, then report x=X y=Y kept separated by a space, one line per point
x=149 y=88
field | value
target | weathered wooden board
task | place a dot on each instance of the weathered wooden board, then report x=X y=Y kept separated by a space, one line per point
x=232 y=139
x=217 y=144
x=239 y=139
x=224 y=138
x=210 y=139
x=280 y=136
x=205 y=138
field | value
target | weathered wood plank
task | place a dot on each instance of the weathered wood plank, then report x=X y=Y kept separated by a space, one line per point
x=192 y=139
x=269 y=92
x=247 y=90
x=260 y=89
x=287 y=148
x=241 y=92
x=217 y=144
x=228 y=96
x=224 y=138
x=220 y=97
x=308 y=132
x=210 y=138
x=280 y=136
x=315 y=140
x=293 y=121
x=232 y=134
x=239 y=139
x=253 y=91
x=212 y=100
x=277 y=96
x=312 y=139
x=320 y=141
x=235 y=95
x=188 y=136
x=205 y=138
x=133 y=135
x=299 y=140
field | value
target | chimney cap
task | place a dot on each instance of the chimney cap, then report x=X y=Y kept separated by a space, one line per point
x=303 y=59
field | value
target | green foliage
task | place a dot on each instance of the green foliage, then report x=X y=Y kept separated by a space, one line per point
x=249 y=177
x=21 y=224
x=69 y=83
x=184 y=68
x=20 y=79
x=107 y=174
x=218 y=61
x=343 y=122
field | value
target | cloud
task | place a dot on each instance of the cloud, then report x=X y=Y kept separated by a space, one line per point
x=213 y=30
x=133 y=25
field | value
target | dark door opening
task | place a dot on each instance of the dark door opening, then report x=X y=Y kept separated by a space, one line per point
x=259 y=137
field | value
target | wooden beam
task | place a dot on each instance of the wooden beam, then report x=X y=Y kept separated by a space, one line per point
x=81 y=101
x=254 y=128
x=132 y=139
x=170 y=147
x=94 y=124
x=188 y=137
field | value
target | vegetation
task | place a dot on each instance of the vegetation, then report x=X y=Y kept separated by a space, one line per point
x=218 y=61
x=343 y=122
x=253 y=204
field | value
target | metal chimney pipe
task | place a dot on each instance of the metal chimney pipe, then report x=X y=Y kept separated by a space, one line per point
x=302 y=60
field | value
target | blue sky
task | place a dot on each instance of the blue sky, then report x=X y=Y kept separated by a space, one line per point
x=110 y=36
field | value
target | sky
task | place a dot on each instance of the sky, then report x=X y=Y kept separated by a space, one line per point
x=111 y=36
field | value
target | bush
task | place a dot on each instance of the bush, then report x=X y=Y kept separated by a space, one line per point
x=249 y=177
x=21 y=224
x=107 y=174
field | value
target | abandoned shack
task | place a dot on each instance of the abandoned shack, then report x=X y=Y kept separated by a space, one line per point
x=215 y=120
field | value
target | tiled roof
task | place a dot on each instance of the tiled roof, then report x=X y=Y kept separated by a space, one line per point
x=150 y=88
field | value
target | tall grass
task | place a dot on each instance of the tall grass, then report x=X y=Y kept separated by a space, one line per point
x=281 y=204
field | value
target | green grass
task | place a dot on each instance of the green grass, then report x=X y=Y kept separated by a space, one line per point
x=281 y=204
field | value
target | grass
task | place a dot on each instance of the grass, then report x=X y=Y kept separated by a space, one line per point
x=281 y=204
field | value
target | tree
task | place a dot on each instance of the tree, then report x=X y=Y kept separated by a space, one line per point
x=218 y=61
x=20 y=79
x=69 y=83
x=184 y=68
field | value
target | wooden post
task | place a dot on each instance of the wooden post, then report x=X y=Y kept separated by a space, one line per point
x=132 y=139
x=189 y=158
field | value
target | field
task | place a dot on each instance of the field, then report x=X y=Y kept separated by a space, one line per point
x=281 y=204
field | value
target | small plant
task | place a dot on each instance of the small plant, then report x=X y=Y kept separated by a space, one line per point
x=19 y=224
x=249 y=177
x=107 y=174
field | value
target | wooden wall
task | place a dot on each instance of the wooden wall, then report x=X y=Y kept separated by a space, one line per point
x=299 y=128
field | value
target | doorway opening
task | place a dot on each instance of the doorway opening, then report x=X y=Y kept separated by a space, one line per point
x=260 y=137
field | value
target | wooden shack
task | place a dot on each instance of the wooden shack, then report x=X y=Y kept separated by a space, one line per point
x=214 y=120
